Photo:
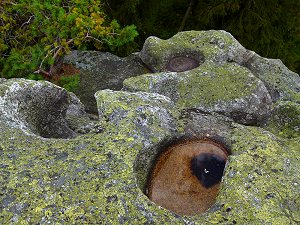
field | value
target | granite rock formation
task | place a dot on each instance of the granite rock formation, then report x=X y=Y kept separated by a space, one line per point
x=101 y=70
x=59 y=167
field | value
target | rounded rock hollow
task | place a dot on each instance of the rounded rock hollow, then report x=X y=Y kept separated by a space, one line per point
x=181 y=64
x=186 y=178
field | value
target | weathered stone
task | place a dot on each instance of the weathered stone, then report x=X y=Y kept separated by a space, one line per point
x=102 y=70
x=218 y=47
x=201 y=125
x=77 y=119
x=35 y=107
x=2 y=80
x=282 y=83
x=101 y=176
x=76 y=108
x=285 y=120
x=151 y=113
x=228 y=89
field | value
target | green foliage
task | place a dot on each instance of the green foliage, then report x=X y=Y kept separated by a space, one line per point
x=70 y=83
x=270 y=28
x=35 y=76
x=35 y=33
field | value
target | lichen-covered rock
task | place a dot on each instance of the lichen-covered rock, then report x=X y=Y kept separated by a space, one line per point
x=218 y=47
x=100 y=176
x=228 y=89
x=150 y=113
x=35 y=107
x=285 y=120
x=261 y=184
x=101 y=70
x=212 y=72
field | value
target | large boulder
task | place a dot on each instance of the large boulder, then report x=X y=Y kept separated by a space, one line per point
x=191 y=49
x=210 y=71
x=101 y=70
x=52 y=173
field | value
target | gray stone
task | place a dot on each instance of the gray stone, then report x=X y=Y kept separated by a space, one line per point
x=101 y=70
x=218 y=47
x=77 y=119
x=100 y=176
x=227 y=88
x=35 y=107
x=282 y=83
x=212 y=126
x=76 y=108
x=285 y=119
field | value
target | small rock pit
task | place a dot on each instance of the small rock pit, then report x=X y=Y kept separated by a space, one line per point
x=187 y=176
x=182 y=63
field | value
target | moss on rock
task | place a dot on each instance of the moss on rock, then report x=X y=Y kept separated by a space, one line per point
x=218 y=47
x=285 y=120
x=98 y=177
x=228 y=89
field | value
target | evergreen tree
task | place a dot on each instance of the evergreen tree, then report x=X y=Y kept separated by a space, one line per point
x=35 y=33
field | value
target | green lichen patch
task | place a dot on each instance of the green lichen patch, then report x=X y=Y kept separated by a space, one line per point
x=200 y=45
x=285 y=120
x=210 y=85
x=260 y=183
x=227 y=89
x=206 y=85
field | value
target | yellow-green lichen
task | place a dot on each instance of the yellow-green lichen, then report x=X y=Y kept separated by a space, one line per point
x=260 y=166
x=90 y=179
x=285 y=120
x=210 y=85
x=204 y=86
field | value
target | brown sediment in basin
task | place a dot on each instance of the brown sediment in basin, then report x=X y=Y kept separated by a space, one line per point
x=186 y=178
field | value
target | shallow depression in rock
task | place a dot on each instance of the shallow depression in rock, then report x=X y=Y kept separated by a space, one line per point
x=182 y=63
x=186 y=177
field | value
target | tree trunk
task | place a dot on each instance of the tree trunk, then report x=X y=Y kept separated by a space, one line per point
x=188 y=11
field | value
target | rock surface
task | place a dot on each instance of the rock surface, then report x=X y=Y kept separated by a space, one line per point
x=102 y=70
x=219 y=47
x=35 y=107
x=49 y=173
x=228 y=89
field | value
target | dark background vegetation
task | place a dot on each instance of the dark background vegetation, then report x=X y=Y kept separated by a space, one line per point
x=269 y=27
x=35 y=34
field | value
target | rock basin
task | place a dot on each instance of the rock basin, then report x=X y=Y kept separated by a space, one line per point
x=186 y=178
